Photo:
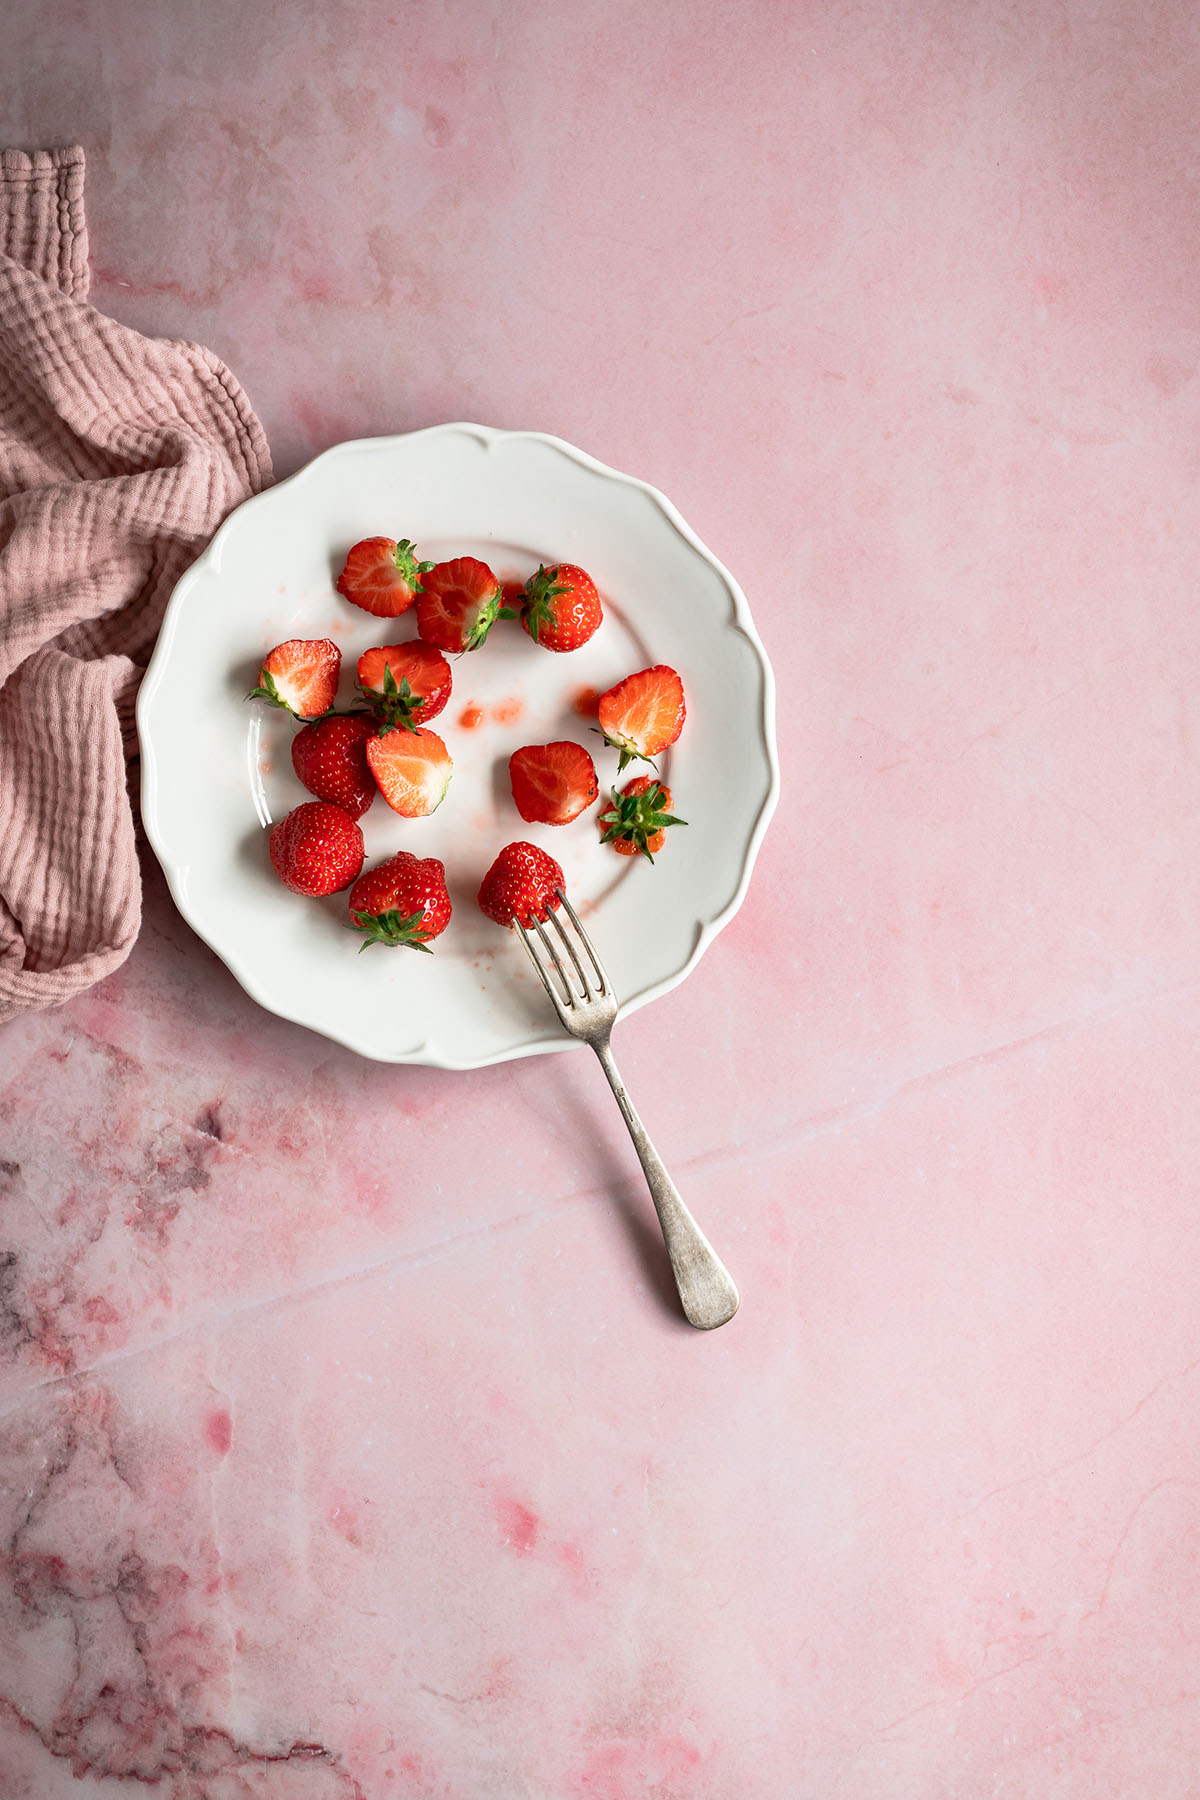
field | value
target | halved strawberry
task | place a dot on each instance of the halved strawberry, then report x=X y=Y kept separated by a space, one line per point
x=404 y=684
x=382 y=576
x=413 y=770
x=317 y=849
x=643 y=714
x=636 y=823
x=330 y=757
x=562 y=608
x=521 y=884
x=300 y=675
x=401 y=902
x=458 y=604
x=552 y=783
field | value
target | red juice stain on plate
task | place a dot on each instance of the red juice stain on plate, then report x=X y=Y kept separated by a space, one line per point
x=471 y=717
x=518 y=1525
x=586 y=702
x=345 y=1522
x=218 y=1431
x=508 y=711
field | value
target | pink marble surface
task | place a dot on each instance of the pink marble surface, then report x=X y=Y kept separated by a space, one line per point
x=321 y=1483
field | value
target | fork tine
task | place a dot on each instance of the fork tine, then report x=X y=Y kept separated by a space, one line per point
x=540 y=972
x=568 y=996
x=552 y=918
x=585 y=940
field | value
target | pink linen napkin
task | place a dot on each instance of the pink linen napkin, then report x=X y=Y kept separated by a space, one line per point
x=119 y=457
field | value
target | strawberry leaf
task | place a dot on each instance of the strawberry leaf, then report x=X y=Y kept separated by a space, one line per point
x=407 y=564
x=392 y=928
x=267 y=691
x=396 y=705
x=541 y=590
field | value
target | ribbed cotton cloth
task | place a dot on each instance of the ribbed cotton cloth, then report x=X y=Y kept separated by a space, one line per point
x=119 y=457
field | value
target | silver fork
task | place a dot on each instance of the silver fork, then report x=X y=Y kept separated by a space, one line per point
x=583 y=998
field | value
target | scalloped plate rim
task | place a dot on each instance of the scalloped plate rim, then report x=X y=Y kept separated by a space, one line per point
x=491 y=437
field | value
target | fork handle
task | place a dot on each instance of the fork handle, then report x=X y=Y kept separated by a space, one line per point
x=705 y=1285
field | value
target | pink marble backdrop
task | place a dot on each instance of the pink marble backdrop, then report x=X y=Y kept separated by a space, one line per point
x=324 y=1483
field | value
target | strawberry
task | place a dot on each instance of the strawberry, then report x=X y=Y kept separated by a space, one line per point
x=521 y=884
x=413 y=770
x=301 y=676
x=382 y=576
x=552 y=783
x=562 y=607
x=330 y=757
x=643 y=714
x=404 y=684
x=403 y=901
x=636 y=823
x=458 y=604
x=317 y=849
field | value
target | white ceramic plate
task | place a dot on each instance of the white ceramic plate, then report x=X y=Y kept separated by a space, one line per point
x=217 y=771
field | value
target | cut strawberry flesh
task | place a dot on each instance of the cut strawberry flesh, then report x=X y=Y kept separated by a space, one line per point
x=383 y=585
x=413 y=770
x=552 y=783
x=458 y=604
x=381 y=576
x=301 y=675
x=643 y=714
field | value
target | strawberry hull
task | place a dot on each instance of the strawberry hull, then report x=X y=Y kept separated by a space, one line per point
x=402 y=903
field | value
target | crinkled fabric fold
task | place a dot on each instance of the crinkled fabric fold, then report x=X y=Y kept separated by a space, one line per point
x=119 y=457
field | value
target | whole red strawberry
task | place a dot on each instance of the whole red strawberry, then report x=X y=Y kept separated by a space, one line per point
x=552 y=783
x=404 y=684
x=412 y=769
x=300 y=675
x=330 y=757
x=562 y=609
x=382 y=576
x=643 y=714
x=636 y=823
x=458 y=604
x=403 y=902
x=317 y=849
x=521 y=884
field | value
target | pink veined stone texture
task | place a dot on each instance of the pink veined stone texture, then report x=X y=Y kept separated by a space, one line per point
x=351 y=1447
